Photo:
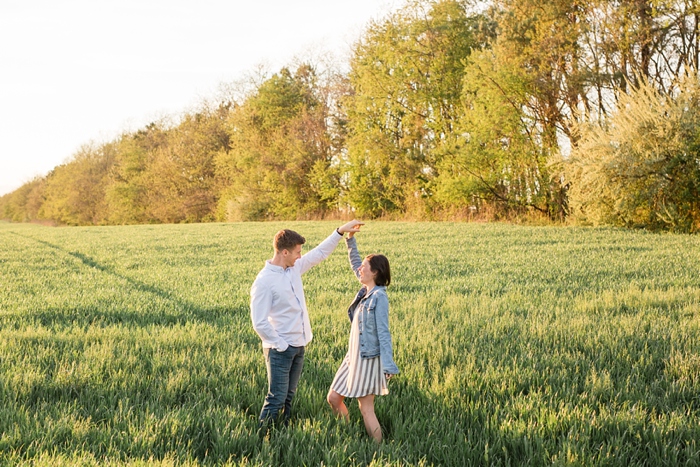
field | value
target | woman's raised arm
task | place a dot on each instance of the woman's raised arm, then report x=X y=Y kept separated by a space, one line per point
x=354 y=256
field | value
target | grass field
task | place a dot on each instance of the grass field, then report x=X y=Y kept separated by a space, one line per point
x=517 y=345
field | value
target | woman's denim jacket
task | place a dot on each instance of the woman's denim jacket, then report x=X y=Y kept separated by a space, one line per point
x=373 y=318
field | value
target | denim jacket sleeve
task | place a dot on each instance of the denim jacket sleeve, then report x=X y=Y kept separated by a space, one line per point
x=381 y=315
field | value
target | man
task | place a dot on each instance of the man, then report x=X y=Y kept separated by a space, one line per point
x=279 y=314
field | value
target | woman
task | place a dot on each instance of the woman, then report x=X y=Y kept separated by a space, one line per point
x=369 y=362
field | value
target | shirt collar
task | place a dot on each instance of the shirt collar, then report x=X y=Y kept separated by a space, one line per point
x=272 y=268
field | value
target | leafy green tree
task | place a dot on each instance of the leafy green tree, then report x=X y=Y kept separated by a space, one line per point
x=496 y=163
x=23 y=204
x=75 y=192
x=406 y=73
x=127 y=194
x=553 y=66
x=180 y=173
x=641 y=168
x=521 y=96
x=282 y=162
x=653 y=40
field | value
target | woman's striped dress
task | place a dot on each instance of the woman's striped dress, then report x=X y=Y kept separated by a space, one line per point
x=357 y=376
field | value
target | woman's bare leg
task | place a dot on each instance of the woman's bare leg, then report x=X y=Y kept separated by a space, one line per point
x=336 y=402
x=371 y=423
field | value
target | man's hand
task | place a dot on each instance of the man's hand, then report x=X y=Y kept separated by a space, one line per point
x=351 y=227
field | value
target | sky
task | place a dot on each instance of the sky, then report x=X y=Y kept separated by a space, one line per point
x=79 y=71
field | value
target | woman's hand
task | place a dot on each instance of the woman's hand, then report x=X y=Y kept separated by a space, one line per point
x=351 y=227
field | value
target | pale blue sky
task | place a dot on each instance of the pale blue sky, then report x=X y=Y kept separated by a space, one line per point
x=75 y=71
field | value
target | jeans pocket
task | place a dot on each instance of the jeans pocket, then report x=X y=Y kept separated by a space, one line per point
x=271 y=352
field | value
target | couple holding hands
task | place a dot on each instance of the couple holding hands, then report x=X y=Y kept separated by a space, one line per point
x=279 y=314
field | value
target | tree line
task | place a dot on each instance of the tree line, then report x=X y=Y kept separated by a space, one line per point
x=571 y=109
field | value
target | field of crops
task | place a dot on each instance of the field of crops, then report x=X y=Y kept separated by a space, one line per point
x=517 y=345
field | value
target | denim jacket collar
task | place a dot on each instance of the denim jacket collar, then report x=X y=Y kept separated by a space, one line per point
x=362 y=294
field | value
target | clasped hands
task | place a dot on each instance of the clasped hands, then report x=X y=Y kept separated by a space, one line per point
x=351 y=227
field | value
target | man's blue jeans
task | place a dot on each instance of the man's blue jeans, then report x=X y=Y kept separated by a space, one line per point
x=283 y=372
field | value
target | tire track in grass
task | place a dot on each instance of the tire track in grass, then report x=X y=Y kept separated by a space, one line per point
x=191 y=310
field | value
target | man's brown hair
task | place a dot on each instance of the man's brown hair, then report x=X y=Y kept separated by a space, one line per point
x=287 y=240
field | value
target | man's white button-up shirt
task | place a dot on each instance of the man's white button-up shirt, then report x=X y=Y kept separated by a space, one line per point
x=277 y=303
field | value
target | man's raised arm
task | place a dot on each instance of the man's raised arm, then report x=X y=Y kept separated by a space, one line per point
x=326 y=247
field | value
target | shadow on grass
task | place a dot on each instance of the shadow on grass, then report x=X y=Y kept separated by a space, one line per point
x=184 y=311
x=106 y=314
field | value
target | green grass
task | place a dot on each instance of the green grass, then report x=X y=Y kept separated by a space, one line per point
x=517 y=345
